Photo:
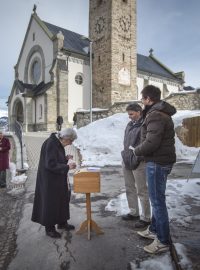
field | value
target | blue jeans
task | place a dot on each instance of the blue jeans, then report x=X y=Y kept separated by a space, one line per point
x=157 y=178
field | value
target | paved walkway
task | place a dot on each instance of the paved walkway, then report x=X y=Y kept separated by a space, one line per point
x=28 y=248
x=111 y=251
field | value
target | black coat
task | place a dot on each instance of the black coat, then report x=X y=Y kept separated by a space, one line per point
x=51 y=203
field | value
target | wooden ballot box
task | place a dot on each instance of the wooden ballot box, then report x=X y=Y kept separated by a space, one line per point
x=87 y=181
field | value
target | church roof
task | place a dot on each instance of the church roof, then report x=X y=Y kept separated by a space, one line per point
x=151 y=65
x=72 y=41
x=31 y=90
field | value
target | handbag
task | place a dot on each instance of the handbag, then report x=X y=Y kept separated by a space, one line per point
x=131 y=161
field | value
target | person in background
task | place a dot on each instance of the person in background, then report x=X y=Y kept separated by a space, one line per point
x=134 y=170
x=52 y=196
x=158 y=148
x=4 y=158
x=75 y=119
x=59 y=122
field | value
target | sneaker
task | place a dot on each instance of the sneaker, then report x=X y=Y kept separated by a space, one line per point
x=147 y=234
x=130 y=217
x=142 y=224
x=156 y=247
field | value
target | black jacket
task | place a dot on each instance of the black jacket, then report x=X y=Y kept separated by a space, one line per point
x=157 y=135
x=51 y=203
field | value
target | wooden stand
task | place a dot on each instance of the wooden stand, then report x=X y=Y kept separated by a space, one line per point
x=87 y=182
x=88 y=225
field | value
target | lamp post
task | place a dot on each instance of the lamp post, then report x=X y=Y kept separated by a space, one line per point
x=90 y=50
x=90 y=80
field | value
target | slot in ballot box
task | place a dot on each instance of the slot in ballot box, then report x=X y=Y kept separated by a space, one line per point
x=87 y=181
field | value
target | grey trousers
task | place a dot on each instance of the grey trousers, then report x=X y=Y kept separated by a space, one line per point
x=136 y=187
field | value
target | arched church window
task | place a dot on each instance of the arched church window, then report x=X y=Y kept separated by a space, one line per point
x=35 y=71
x=79 y=78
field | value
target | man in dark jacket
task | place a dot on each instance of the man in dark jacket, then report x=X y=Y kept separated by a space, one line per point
x=134 y=170
x=158 y=148
x=59 y=122
x=51 y=203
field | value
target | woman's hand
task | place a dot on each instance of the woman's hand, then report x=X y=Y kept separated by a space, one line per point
x=69 y=157
x=72 y=165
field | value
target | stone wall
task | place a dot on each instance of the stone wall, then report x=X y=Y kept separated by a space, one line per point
x=182 y=101
x=83 y=117
x=185 y=101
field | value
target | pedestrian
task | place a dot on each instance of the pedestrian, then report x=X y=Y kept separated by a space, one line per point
x=59 y=122
x=158 y=148
x=75 y=119
x=52 y=196
x=134 y=170
x=4 y=158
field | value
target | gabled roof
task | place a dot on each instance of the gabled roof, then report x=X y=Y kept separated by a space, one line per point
x=32 y=90
x=72 y=41
x=76 y=43
x=151 y=65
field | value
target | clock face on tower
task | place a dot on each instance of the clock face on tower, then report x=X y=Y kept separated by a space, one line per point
x=99 y=25
x=125 y=23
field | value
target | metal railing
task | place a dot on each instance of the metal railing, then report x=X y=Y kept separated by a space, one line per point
x=18 y=132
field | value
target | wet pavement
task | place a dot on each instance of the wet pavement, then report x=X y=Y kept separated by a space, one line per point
x=24 y=245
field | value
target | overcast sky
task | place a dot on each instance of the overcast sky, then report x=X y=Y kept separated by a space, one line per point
x=171 y=28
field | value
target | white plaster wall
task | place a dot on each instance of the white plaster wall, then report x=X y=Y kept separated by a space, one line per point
x=140 y=86
x=39 y=118
x=78 y=95
x=44 y=42
x=172 y=88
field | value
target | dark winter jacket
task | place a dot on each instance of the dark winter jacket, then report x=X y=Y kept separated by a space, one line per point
x=157 y=135
x=4 y=154
x=131 y=137
x=51 y=203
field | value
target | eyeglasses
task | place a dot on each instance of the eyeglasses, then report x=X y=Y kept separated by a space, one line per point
x=144 y=98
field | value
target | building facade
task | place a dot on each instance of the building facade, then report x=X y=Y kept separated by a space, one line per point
x=53 y=71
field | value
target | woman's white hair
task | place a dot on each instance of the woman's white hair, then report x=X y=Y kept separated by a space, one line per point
x=67 y=133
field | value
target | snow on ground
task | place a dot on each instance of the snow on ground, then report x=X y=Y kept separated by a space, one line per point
x=180 y=213
x=162 y=262
x=101 y=142
x=178 y=191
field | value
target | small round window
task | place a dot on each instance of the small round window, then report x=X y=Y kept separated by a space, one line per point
x=79 y=79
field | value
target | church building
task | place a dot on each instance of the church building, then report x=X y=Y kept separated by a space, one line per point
x=58 y=70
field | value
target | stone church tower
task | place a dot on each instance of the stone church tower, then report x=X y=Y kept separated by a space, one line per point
x=112 y=30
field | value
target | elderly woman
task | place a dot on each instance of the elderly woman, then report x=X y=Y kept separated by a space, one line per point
x=51 y=203
x=4 y=158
